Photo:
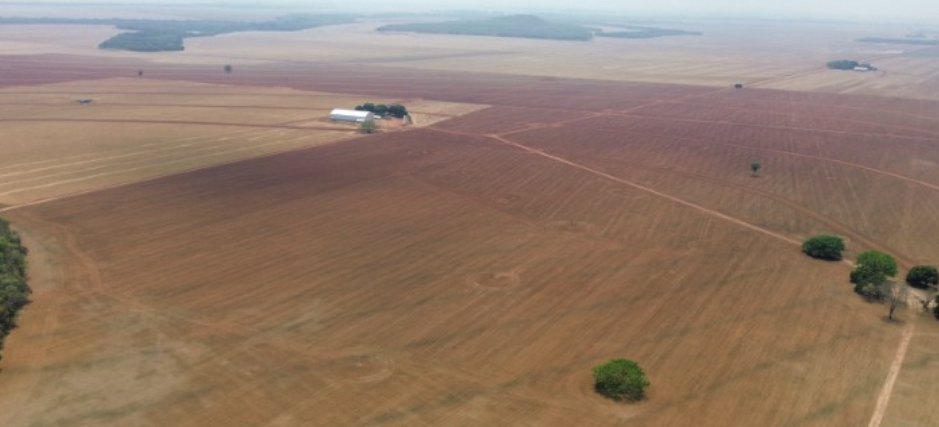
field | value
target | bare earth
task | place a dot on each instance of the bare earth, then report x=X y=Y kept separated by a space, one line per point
x=470 y=270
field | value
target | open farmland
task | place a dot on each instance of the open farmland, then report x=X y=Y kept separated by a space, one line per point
x=141 y=128
x=472 y=272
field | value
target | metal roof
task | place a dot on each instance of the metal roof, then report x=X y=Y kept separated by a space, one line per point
x=352 y=113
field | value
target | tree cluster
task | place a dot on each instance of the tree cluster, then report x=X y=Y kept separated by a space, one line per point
x=620 y=379
x=824 y=247
x=843 y=64
x=922 y=276
x=14 y=292
x=873 y=275
x=873 y=272
x=394 y=110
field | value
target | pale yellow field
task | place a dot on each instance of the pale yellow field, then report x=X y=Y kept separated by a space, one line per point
x=139 y=129
x=787 y=56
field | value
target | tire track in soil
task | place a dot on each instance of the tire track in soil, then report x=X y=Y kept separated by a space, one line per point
x=828 y=222
x=884 y=398
x=784 y=152
x=903 y=260
x=639 y=187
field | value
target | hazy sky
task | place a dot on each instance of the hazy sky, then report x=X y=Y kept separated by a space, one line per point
x=924 y=11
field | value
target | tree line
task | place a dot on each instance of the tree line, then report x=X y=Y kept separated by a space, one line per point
x=393 y=110
x=521 y=26
x=874 y=273
x=14 y=292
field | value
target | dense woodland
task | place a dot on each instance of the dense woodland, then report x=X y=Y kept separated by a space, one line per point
x=521 y=26
x=533 y=27
x=14 y=292
x=843 y=64
x=167 y=35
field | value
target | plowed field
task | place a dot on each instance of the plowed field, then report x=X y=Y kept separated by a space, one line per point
x=140 y=128
x=471 y=273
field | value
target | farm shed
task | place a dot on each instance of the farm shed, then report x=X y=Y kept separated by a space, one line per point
x=351 y=116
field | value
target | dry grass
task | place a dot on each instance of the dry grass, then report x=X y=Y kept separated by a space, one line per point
x=141 y=128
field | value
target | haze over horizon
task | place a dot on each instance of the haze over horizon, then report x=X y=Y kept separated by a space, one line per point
x=920 y=11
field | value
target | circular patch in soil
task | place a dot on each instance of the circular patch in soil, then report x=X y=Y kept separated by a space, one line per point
x=359 y=367
x=496 y=280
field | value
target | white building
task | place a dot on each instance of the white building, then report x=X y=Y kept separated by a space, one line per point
x=351 y=116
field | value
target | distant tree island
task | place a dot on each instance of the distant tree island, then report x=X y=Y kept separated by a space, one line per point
x=850 y=64
x=530 y=27
x=168 y=35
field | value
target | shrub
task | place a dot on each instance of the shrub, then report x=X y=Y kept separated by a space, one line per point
x=620 y=379
x=824 y=247
x=922 y=276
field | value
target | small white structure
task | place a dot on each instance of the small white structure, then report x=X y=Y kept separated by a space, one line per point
x=339 y=115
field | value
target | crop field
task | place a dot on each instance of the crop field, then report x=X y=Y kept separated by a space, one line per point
x=142 y=128
x=471 y=272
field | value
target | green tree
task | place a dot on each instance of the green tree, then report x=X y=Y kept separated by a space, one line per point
x=228 y=68
x=922 y=276
x=397 y=110
x=755 y=168
x=368 y=106
x=381 y=109
x=14 y=293
x=873 y=271
x=620 y=379
x=824 y=247
x=879 y=261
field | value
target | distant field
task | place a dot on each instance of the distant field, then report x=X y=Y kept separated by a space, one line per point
x=140 y=128
x=780 y=55
x=471 y=272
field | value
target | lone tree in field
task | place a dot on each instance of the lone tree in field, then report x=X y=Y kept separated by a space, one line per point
x=873 y=271
x=922 y=276
x=367 y=127
x=139 y=73
x=228 y=68
x=895 y=294
x=824 y=247
x=620 y=379
x=755 y=168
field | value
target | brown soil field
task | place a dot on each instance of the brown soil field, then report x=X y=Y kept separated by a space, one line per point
x=142 y=128
x=471 y=273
